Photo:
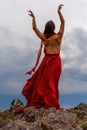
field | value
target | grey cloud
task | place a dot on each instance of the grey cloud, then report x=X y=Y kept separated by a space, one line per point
x=74 y=49
x=74 y=46
x=17 y=55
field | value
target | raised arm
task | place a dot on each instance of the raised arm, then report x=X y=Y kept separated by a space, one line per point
x=62 y=25
x=34 y=26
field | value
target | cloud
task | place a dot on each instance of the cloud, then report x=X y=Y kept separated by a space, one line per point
x=19 y=45
x=17 y=55
x=74 y=58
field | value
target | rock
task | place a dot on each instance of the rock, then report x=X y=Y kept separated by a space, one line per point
x=81 y=111
x=59 y=120
x=78 y=128
x=15 y=104
x=82 y=107
x=5 y=122
x=43 y=119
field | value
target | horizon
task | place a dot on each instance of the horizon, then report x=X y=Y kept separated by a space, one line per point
x=66 y=100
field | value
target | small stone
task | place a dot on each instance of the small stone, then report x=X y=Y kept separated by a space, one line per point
x=4 y=123
x=30 y=118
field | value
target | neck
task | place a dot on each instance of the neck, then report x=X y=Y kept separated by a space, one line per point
x=49 y=34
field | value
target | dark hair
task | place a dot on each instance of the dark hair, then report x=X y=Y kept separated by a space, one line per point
x=49 y=28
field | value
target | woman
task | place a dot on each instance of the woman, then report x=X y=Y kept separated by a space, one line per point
x=41 y=90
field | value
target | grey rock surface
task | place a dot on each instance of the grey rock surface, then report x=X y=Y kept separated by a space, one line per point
x=43 y=119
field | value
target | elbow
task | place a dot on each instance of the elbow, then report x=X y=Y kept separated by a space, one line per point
x=34 y=27
x=63 y=21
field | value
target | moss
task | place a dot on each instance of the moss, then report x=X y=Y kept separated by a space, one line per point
x=4 y=116
x=84 y=126
x=79 y=113
x=78 y=121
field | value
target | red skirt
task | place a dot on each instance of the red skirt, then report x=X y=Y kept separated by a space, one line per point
x=41 y=90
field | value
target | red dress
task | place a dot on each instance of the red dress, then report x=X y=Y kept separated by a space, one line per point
x=41 y=90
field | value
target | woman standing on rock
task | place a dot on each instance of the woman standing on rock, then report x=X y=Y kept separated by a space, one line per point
x=41 y=90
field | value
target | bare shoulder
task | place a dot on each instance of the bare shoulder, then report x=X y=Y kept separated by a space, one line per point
x=52 y=40
x=57 y=38
x=53 y=37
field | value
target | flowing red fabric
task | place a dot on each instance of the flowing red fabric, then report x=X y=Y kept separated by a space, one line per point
x=41 y=90
x=38 y=58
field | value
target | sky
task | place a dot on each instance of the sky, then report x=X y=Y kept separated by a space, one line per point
x=19 y=44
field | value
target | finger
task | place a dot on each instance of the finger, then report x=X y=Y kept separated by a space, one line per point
x=61 y=5
x=29 y=10
x=29 y=13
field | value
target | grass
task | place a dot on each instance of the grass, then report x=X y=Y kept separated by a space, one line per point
x=84 y=126
x=4 y=116
x=79 y=113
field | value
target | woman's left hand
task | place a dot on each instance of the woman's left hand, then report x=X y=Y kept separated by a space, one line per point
x=31 y=13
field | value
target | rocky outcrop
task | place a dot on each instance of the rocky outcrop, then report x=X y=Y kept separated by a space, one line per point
x=44 y=119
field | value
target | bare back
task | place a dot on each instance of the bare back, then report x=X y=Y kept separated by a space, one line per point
x=53 y=44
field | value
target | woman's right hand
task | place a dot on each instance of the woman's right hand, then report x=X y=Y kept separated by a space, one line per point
x=60 y=7
x=31 y=13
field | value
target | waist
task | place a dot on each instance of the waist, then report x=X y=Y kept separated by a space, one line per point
x=51 y=52
x=52 y=57
x=46 y=54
